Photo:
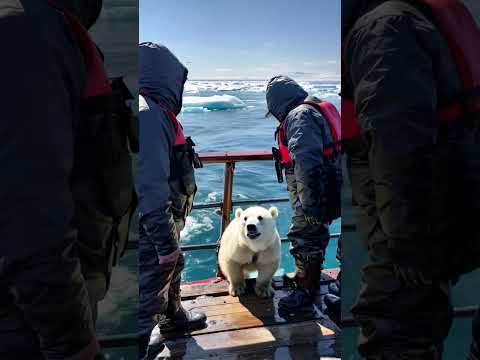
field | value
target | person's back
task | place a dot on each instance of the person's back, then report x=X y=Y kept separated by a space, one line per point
x=399 y=72
x=43 y=73
x=43 y=299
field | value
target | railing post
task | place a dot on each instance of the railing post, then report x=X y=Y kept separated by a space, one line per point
x=227 y=206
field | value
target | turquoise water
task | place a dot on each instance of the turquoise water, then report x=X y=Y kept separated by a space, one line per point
x=239 y=125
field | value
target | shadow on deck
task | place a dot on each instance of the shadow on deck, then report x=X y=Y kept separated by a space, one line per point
x=252 y=328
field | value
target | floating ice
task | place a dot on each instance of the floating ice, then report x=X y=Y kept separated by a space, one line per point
x=194 y=226
x=215 y=102
x=214 y=196
x=318 y=88
x=198 y=86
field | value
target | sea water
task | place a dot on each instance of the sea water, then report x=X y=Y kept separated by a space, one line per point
x=219 y=116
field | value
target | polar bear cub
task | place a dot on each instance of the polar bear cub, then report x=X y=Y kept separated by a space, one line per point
x=251 y=243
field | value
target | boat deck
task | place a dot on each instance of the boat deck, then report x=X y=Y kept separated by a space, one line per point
x=249 y=327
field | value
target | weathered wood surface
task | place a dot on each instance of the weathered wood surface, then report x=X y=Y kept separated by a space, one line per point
x=226 y=313
x=249 y=327
x=193 y=290
x=304 y=340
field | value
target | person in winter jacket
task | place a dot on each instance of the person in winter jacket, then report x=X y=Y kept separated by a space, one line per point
x=306 y=133
x=166 y=186
x=414 y=180
x=44 y=306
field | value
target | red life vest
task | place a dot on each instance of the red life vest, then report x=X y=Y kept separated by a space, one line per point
x=179 y=135
x=459 y=28
x=183 y=162
x=97 y=83
x=330 y=113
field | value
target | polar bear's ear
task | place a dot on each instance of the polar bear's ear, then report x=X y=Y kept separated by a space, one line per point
x=238 y=212
x=273 y=211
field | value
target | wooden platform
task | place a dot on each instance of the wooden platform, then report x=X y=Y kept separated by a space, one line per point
x=249 y=327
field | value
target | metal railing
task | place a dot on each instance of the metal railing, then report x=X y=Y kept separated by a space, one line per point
x=229 y=158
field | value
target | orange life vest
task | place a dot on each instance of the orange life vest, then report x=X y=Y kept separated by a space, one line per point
x=331 y=115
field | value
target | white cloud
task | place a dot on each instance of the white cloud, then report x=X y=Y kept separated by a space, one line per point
x=223 y=70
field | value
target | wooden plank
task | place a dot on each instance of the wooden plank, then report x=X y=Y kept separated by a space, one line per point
x=226 y=313
x=330 y=274
x=218 y=288
x=250 y=298
x=304 y=340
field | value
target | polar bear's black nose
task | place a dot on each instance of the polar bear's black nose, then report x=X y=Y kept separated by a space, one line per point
x=251 y=228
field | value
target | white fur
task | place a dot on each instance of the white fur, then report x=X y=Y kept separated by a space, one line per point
x=238 y=252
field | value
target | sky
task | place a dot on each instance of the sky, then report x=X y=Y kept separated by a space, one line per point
x=248 y=39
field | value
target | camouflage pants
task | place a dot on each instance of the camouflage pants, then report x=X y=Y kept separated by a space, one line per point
x=44 y=308
x=160 y=265
x=307 y=241
x=398 y=320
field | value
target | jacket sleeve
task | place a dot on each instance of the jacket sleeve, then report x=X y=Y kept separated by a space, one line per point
x=396 y=100
x=158 y=136
x=305 y=145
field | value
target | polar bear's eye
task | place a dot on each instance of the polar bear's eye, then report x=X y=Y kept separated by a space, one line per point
x=245 y=218
x=260 y=218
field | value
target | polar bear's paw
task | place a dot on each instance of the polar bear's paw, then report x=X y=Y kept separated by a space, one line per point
x=237 y=289
x=264 y=290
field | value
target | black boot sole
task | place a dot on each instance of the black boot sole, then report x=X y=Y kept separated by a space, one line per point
x=305 y=308
x=190 y=326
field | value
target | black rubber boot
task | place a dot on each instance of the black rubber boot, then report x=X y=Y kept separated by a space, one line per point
x=151 y=345
x=296 y=300
x=156 y=344
x=177 y=318
x=307 y=283
x=333 y=304
x=142 y=346
x=334 y=288
x=183 y=320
